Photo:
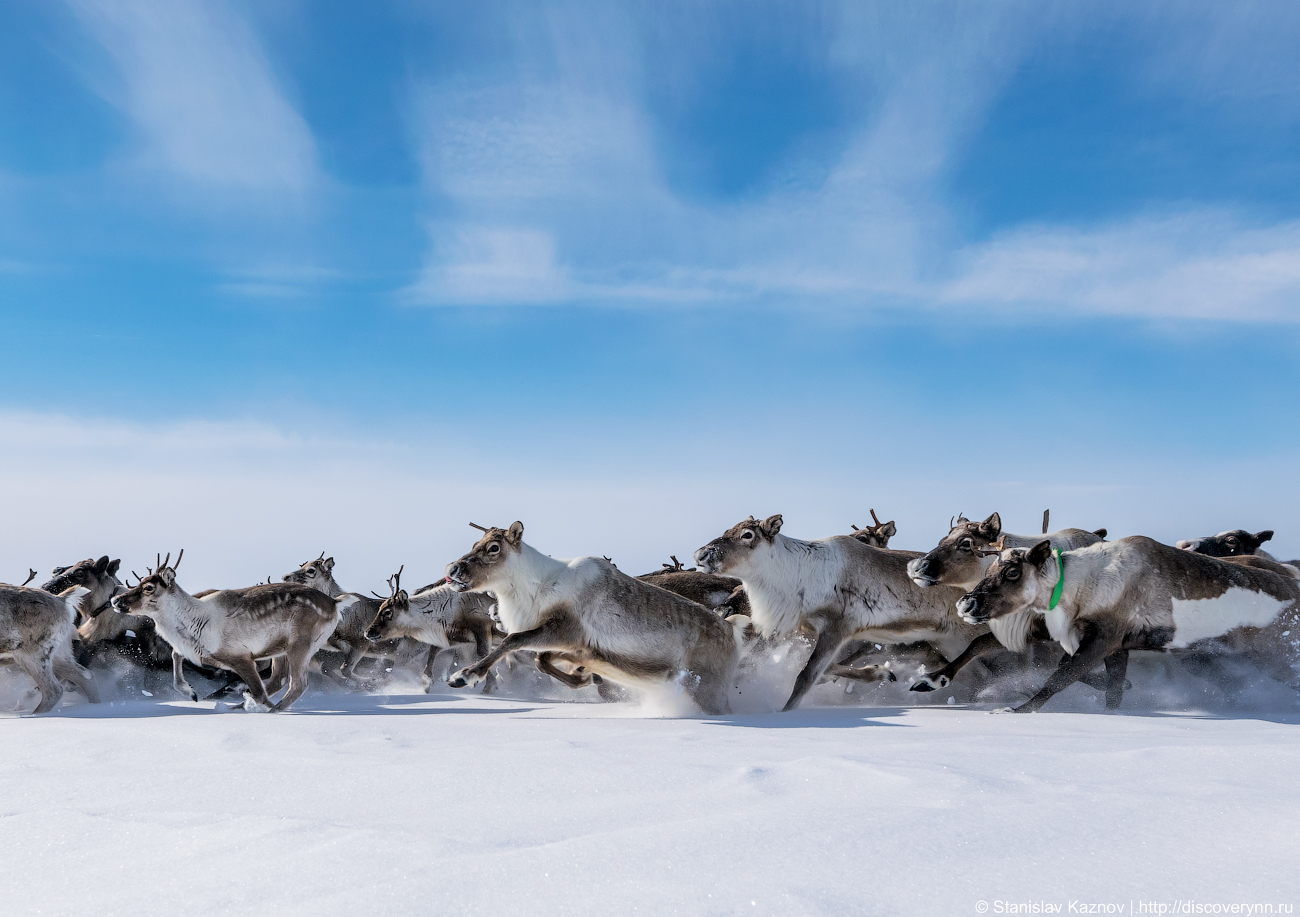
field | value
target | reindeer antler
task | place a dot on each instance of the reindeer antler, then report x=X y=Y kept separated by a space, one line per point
x=475 y=525
x=875 y=518
x=854 y=527
x=31 y=575
x=178 y=560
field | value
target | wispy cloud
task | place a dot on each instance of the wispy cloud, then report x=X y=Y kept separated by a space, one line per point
x=1194 y=265
x=194 y=79
x=550 y=186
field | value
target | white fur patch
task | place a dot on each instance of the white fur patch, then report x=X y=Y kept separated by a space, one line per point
x=1201 y=619
x=1012 y=630
x=1062 y=629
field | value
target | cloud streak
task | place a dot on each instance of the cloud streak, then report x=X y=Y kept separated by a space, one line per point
x=194 y=79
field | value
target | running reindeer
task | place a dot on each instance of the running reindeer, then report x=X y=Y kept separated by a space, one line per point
x=233 y=628
x=438 y=615
x=1102 y=601
x=838 y=588
x=36 y=635
x=597 y=619
x=356 y=613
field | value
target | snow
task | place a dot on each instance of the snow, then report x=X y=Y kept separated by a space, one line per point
x=470 y=804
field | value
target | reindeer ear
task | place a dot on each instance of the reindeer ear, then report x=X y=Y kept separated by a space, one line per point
x=515 y=534
x=1040 y=552
x=329 y=564
x=888 y=530
x=101 y=565
x=770 y=526
x=991 y=527
x=1264 y=536
x=168 y=576
x=112 y=567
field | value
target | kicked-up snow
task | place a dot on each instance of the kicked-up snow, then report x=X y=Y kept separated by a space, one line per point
x=459 y=803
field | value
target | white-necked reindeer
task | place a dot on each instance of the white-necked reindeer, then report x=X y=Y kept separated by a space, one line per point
x=438 y=616
x=960 y=559
x=1102 y=601
x=233 y=628
x=839 y=587
x=594 y=617
x=36 y=634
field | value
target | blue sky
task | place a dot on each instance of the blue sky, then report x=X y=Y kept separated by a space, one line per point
x=627 y=271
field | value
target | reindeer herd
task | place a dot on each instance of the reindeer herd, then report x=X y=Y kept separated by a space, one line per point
x=1069 y=602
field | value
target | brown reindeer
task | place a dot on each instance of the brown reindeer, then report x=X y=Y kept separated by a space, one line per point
x=233 y=628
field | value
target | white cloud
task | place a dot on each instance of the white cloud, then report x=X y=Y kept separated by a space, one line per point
x=194 y=79
x=560 y=162
x=1194 y=265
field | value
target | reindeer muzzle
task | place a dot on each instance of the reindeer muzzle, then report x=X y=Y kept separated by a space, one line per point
x=969 y=606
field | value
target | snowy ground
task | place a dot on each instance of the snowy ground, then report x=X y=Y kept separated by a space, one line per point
x=460 y=803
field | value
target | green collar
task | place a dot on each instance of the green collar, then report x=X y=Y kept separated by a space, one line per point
x=1060 y=580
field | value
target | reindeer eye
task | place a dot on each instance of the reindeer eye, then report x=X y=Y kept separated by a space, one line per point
x=966 y=544
x=1013 y=573
x=149 y=588
x=494 y=548
x=311 y=572
x=747 y=536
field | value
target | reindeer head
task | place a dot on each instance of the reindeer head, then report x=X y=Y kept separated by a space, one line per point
x=149 y=595
x=1232 y=543
x=877 y=535
x=391 y=609
x=487 y=559
x=956 y=560
x=733 y=551
x=318 y=573
x=1019 y=578
x=98 y=577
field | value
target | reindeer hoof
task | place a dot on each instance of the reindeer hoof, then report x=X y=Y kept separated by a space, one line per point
x=465 y=678
x=928 y=683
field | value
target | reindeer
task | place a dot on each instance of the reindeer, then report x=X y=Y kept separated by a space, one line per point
x=356 y=613
x=36 y=634
x=1102 y=601
x=439 y=616
x=233 y=628
x=98 y=576
x=876 y=535
x=838 y=587
x=700 y=587
x=596 y=617
x=960 y=560
x=1232 y=543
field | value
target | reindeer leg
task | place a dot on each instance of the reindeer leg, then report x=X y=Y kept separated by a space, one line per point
x=296 y=660
x=829 y=642
x=246 y=668
x=279 y=674
x=1092 y=649
x=1116 y=667
x=66 y=668
x=867 y=674
x=178 y=677
x=557 y=633
x=40 y=667
x=355 y=654
x=546 y=665
x=980 y=646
